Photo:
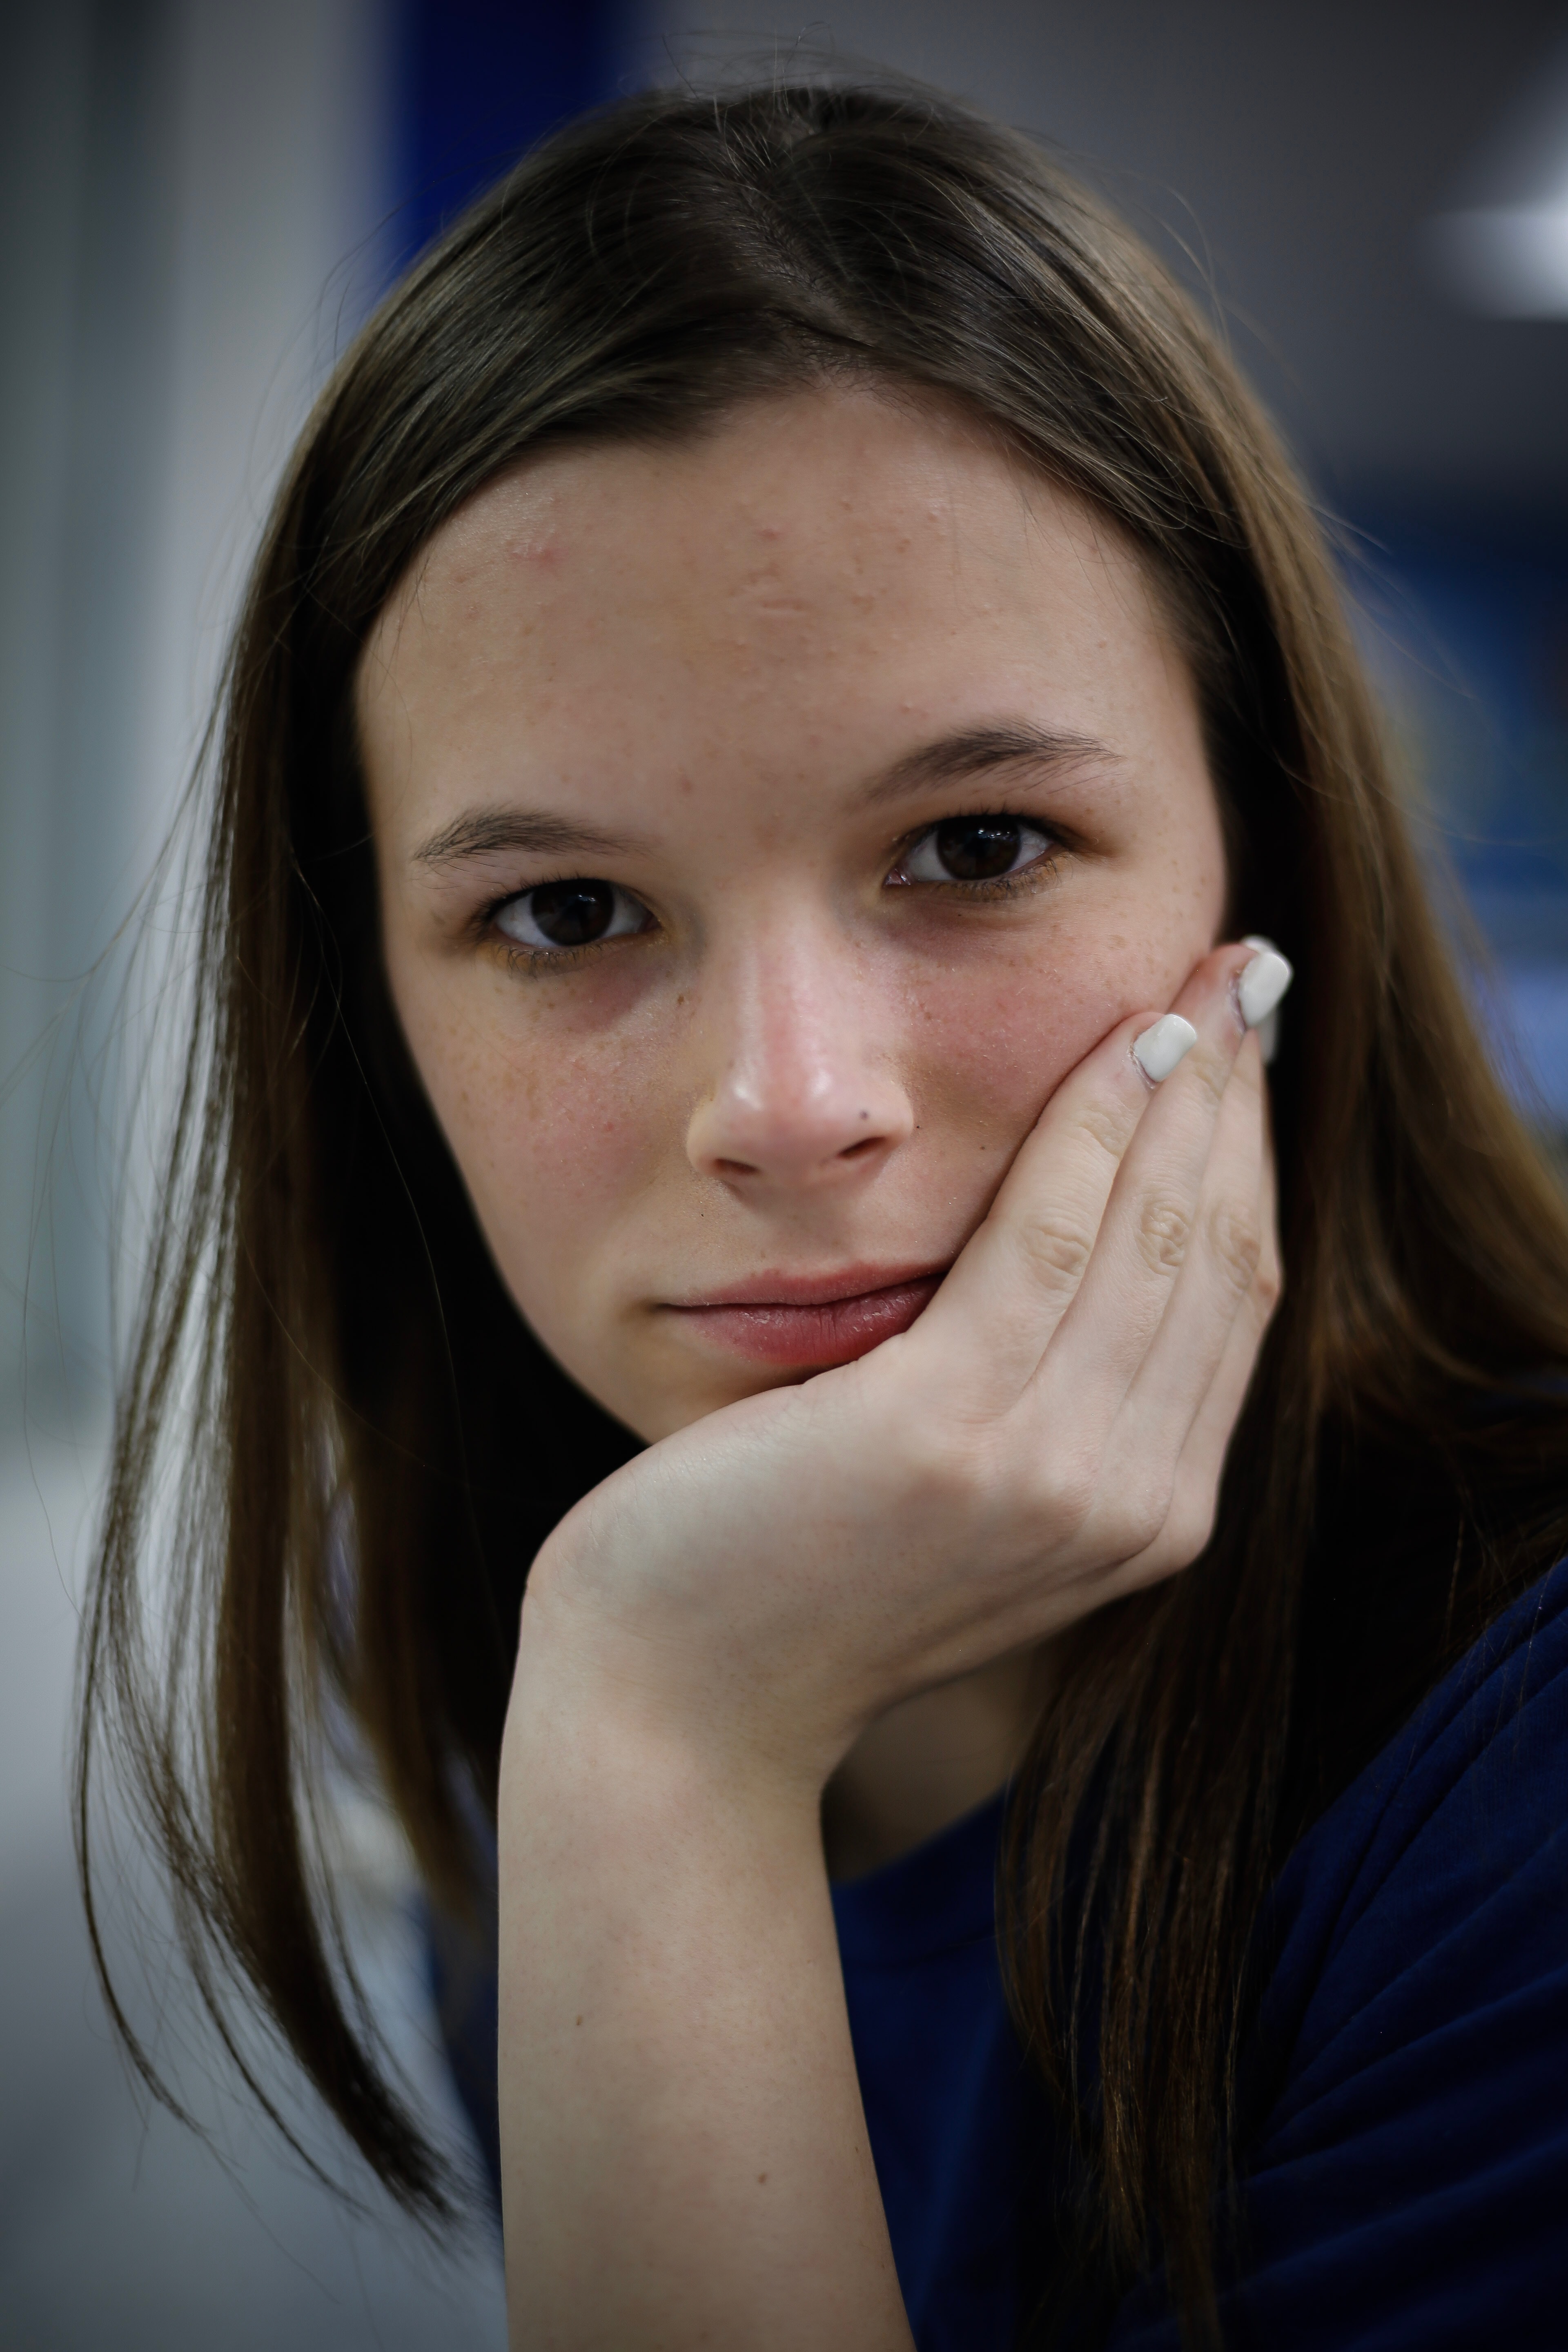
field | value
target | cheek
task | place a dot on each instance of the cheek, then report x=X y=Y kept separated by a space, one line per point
x=551 y=1137
x=998 y=1037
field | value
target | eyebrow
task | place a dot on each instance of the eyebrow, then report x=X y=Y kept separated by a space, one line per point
x=487 y=833
x=953 y=758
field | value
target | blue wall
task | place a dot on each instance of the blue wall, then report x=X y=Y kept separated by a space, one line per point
x=479 y=80
x=1467 y=629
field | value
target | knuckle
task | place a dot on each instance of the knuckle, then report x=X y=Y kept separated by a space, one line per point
x=1268 y=1283
x=1143 y=1513
x=1061 y=1490
x=1183 y=1535
x=949 y=1470
x=1190 y=1526
x=1102 y=1124
x=1236 y=1244
x=1155 y=1516
x=1164 y=1230
x=1055 y=1250
x=961 y=1470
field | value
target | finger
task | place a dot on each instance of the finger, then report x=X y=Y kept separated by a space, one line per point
x=1218 y=1272
x=1190 y=1521
x=1200 y=1440
x=1149 y=1222
x=1017 y=1275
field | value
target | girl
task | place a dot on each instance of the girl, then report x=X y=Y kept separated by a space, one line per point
x=786 y=703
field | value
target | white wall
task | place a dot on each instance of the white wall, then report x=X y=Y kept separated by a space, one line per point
x=193 y=192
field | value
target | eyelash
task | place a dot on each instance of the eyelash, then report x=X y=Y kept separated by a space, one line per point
x=521 y=958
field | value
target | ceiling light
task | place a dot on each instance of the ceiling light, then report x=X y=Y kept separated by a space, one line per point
x=1510 y=262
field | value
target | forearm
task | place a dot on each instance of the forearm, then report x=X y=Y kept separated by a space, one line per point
x=684 y=2154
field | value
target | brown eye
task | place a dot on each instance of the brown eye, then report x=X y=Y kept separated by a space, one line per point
x=566 y=915
x=977 y=849
x=974 y=849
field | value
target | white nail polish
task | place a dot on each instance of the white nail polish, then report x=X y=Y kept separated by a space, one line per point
x=1159 y=1049
x=1262 y=983
x=1268 y=1027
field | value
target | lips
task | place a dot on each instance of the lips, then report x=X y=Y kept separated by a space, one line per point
x=809 y=1322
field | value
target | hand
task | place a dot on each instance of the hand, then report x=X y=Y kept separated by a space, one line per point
x=1047 y=1436
x=685 y=2157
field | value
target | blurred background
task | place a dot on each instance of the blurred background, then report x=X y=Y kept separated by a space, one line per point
x=199 y=201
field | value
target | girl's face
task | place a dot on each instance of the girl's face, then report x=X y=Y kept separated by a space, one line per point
x=765 y=824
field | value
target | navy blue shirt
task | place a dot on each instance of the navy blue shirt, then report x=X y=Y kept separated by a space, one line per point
x=1406 y=2185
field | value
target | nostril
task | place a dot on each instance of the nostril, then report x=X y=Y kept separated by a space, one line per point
x=797 y=1131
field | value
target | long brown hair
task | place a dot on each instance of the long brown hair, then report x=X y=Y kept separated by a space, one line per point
x=374 y=1444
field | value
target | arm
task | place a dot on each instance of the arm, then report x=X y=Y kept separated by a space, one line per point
x=684 y=2156
x=672 y=2016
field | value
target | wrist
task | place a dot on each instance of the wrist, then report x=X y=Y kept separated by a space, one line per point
x=624 y=1827
x=672 y=2032
x=606 y=1715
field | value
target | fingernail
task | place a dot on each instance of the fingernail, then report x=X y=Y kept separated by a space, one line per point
x=1268 y=1027
x=1262 y=982
x=1159 y=1049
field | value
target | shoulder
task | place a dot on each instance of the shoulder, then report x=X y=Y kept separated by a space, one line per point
x=1446 y=1855
x=1406 y=2153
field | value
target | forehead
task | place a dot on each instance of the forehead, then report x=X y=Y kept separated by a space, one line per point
x=830 y=562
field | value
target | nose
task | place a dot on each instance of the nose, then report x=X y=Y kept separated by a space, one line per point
x=799 y=1095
